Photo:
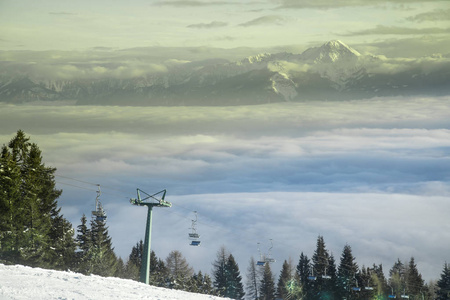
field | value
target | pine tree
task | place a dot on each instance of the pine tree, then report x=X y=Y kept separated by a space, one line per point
x=347 y=271
x=443 y=284
x=303 y=272
x=267 y=285
x=102 y=257
x=397 y=280
x=234 y=288
x=252 y=284
x=286 y=275
x=29 y=212
x=320 y=262
x=414 y=281
x=84 y=243
x=219 y=271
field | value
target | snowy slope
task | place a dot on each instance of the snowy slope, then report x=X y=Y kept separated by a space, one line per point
x=19 y=282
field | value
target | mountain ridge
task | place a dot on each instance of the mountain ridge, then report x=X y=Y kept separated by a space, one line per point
x=333 y=71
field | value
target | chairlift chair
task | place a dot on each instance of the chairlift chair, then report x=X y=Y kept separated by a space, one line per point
x=193 y=235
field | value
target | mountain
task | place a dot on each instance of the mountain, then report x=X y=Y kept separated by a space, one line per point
x=333 y=71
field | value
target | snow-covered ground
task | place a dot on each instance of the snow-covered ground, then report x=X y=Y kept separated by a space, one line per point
x=20 y=282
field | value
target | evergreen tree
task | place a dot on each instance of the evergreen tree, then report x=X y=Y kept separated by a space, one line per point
x=414 y=281
x=283 y=281
x=103 y=260
x=220 y=272
x=120 y=269
x=28 y=202
x=267 y=285
x=347 y=271
x=252 y=284
x=378 y=282
x=443 y=284
x=320 y=262
x=397 y=280
x=234 y=288
x=179 y=271
x=84 y=243
x=303 y=272
x=329 y=285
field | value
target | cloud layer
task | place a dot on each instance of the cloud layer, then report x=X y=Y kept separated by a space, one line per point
x=373 y=174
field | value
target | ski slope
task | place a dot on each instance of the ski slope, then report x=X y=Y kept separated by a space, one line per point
x=20 y=282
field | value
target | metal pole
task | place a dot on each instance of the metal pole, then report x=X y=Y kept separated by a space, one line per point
x=145 y=267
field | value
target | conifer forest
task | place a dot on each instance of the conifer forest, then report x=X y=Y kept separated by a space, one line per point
x=33 y=232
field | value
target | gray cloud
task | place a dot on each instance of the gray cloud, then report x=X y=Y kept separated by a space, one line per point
x=214 y=24
x=326 y=4
x=383 y=30
x=190 y=3
x=61 y=13
x=432 y=16
x=265 y=20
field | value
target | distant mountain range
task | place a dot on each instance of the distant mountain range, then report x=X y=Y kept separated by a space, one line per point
x=333 y=71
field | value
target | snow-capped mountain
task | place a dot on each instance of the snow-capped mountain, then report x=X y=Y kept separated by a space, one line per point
x=332 y=71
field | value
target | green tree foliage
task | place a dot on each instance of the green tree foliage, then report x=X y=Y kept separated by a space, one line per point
x=397 y=280
x=443 y=284
x=33 y=232
x=347 y=271
x=286 y=275
x=227 y=278
x=219 y=271
x=267 y=285
x=102 y=256
x=303 y=272
x=414 y=281
x=234 y=288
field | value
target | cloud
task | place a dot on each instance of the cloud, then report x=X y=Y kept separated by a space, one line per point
x=189 y=3
x=214 y=24
x=432 y=16
x=61 y=13
x=265 y=20
x=383 y=30
x=326 y=4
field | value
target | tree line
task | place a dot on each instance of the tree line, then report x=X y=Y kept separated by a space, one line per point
x=33 y=232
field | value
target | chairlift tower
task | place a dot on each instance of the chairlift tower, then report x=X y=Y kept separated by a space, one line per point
x=156 y=202
x=99 y=213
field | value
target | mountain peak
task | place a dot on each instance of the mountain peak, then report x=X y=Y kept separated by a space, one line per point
x=330 y=52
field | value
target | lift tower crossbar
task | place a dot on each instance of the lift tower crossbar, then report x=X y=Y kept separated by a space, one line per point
x=155 y=201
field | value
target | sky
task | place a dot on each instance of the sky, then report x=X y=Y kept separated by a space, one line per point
x=84 y=25
x=370 y=173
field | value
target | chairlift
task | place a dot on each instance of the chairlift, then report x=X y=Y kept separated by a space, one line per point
x=326 y=277
x=356 y=288
x=193 y=235
x=195 y=243
x=312 y=277
x=261 y=262
x=268 y=258
x=392 y=296
x=404 y=295
x=99 y=213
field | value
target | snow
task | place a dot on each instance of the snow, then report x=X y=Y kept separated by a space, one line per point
x=20 y=282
